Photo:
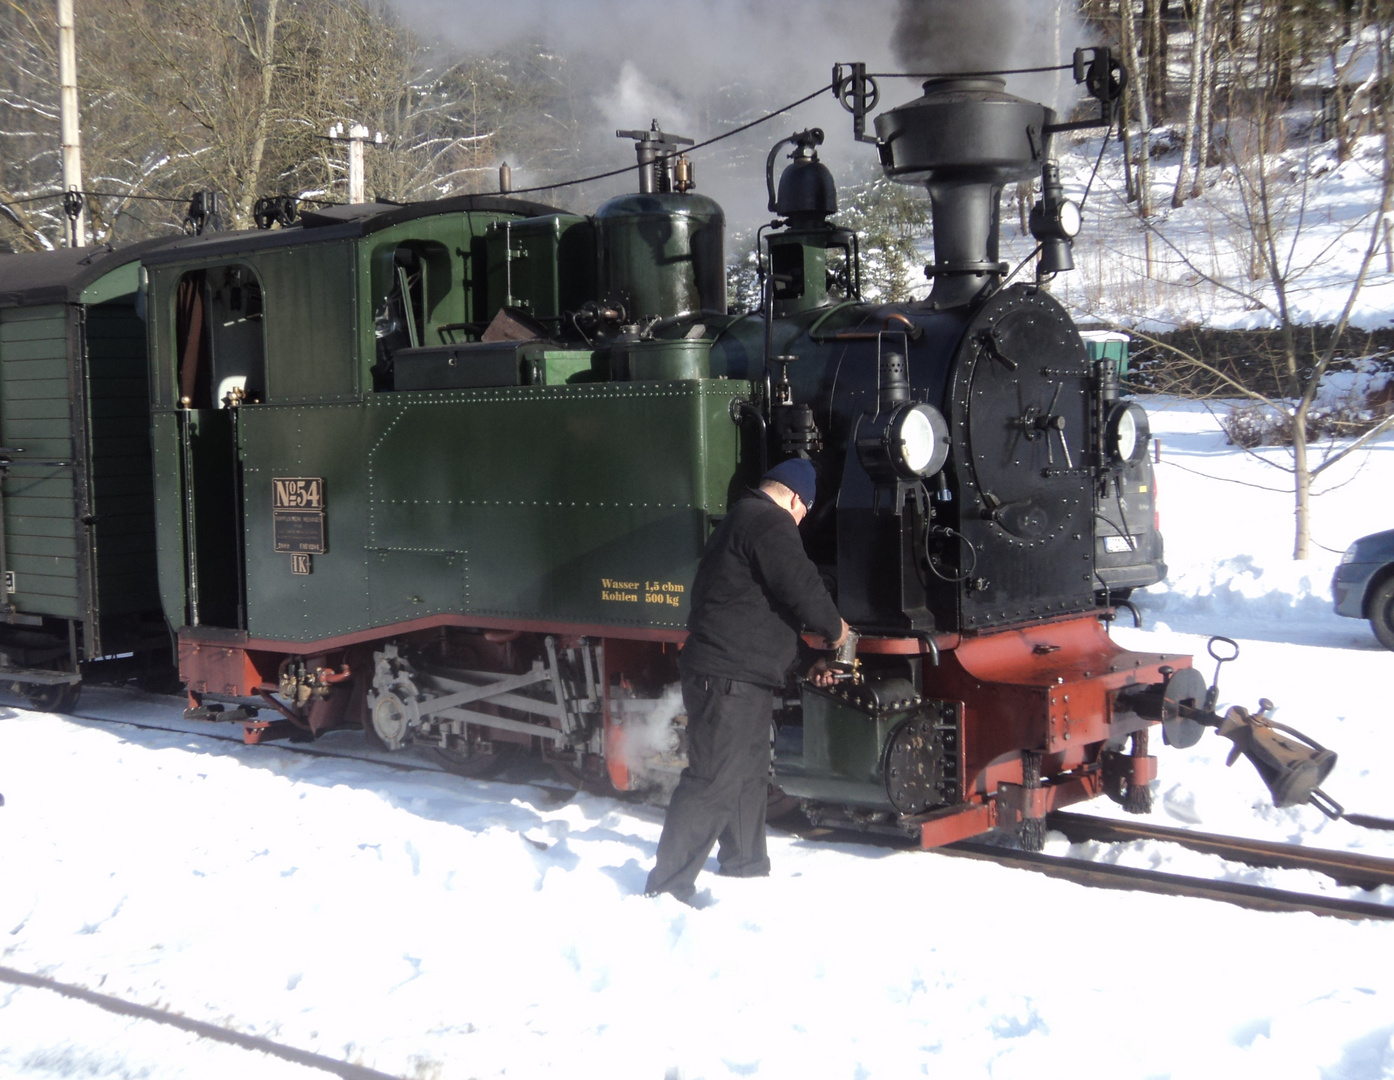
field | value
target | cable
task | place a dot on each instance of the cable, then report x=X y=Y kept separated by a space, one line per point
x=30 y=199
x=945 y=530
x=965 y=74
x=631 y=168
x=1098 y=161
x=697 y=146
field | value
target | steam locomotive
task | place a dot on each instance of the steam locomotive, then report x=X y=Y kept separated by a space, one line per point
x=445 y=471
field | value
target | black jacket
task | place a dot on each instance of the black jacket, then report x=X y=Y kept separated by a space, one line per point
x=755 y=590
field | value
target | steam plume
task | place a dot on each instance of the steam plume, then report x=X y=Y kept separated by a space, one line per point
x=991 y=35
x=704 y=66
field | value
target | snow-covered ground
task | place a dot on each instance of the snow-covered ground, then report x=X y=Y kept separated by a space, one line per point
x=428 y=926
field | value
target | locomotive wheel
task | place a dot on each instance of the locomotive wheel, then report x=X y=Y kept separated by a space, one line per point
x=584 y=781
x=1382 y=614
x=779 y=804
x=477 y=765
x=52 y=697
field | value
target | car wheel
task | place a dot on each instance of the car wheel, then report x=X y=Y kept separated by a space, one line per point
x=1382 y=613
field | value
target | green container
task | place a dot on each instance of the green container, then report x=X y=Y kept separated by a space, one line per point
x=841 y=754
x=662 y=255
x=1107 y=345
x=664 y=360
x=552 y=367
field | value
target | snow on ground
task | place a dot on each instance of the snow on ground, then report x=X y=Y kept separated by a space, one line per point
x=429 y=926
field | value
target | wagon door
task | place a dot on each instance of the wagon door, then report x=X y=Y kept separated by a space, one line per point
x=40 y=499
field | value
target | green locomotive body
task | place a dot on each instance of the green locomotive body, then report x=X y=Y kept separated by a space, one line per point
x=374 y=428
x=514 y=483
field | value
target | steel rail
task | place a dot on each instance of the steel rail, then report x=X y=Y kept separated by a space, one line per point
x=237 y=740
x=1345 y=868
x=204 y=1030
x=1134 y=879
x=313 y=751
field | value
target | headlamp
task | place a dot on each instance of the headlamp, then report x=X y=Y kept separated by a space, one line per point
x=1126 y=433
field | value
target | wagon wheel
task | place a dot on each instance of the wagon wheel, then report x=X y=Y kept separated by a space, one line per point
x=52 y=697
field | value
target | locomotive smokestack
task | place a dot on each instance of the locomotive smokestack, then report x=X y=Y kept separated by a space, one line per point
x=964 y=140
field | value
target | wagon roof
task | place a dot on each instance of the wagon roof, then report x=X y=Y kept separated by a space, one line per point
x=59 y=277
x=341 y=222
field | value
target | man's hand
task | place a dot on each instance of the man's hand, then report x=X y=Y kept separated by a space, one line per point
x=820 y=674
x=841 y=637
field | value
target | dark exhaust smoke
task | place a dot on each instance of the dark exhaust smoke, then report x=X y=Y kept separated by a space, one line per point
x=950 y=36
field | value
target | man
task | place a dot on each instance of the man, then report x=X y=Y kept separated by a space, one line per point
x=755 y=591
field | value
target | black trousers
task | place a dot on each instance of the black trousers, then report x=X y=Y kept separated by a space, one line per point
x=721 y=795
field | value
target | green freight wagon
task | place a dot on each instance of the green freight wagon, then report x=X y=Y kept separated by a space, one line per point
x=77 y=526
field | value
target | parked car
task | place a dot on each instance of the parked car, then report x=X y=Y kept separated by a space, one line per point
x=1128 y=550
x=1363 y=585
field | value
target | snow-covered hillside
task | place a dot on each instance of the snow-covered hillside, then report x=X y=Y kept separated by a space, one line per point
x=1195 y=265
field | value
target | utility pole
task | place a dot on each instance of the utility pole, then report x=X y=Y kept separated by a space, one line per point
x=68 y=122
x=356 y=137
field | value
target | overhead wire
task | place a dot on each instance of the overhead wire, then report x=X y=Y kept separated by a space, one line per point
x=765 y=118
x=696 y=146
x=966 y=74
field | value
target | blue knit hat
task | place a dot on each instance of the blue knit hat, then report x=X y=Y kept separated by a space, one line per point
x=798 y=476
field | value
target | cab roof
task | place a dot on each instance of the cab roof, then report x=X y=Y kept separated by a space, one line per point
x=341 y=222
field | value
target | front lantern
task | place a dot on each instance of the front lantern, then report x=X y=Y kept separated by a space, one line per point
x=1126 y=434
x=917 y=441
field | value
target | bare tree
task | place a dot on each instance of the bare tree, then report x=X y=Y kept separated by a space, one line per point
x=1136 y=103
x=29 y=162
x=1200 y=11
x=1155 y=46
x=236 y=96
x=1205 y=111
x=1272 y=173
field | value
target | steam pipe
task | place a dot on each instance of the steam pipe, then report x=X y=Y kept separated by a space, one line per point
x=741 y=409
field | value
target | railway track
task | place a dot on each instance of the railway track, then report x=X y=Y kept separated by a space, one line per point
x=1343 y=868
x=397 y=762
x=201 y=1028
